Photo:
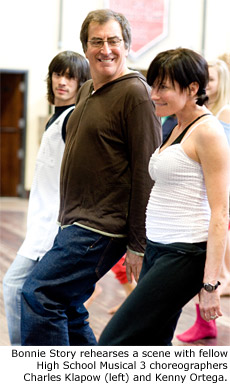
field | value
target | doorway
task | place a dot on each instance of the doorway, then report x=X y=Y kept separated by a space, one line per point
x=14 y=86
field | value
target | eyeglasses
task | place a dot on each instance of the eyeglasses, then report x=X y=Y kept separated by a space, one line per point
x=99 y=43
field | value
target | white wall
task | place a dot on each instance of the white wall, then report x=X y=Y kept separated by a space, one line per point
x=185 y=29
x=218 y=28
x=29 y=32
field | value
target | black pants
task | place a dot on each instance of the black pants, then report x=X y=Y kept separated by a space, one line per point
x=171 y=276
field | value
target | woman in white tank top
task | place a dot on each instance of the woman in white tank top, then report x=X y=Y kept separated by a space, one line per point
x=218 y=91
x=187 y=212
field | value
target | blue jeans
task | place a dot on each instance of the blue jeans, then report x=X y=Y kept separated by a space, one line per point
x=53 y=313
x=171 y=275
x=13 y=282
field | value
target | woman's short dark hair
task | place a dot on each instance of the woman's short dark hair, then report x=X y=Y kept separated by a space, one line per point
x=75 y=63
x=183 y=66
x=102 y=16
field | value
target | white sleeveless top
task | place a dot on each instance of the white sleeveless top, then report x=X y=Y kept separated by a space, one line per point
x=44 y=199
x=178 y=208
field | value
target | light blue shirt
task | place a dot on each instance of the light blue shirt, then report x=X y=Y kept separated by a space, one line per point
x=226 y=129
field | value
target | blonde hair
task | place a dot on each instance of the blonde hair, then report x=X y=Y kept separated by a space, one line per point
x=226 y=58
x=223 y=91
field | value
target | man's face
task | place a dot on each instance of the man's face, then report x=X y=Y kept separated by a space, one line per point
x=107 y=62
x=64 y=89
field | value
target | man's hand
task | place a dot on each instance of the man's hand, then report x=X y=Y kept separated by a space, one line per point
x=133 y=263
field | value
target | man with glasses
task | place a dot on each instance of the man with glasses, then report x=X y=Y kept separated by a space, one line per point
x=104 y=189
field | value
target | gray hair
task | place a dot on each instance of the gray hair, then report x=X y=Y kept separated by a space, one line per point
x=102 y=16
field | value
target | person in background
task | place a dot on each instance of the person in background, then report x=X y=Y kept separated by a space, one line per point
x=104 y=188
x=119 y=271
x=66 y=73
x=187 y=212
x=168 y=123
x=226 y=58
x=218 y=91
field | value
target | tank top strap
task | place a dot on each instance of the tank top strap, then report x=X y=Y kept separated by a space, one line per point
x=193 y=128
x=180 y=137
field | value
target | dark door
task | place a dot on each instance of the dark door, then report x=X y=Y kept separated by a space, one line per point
x=12 y=133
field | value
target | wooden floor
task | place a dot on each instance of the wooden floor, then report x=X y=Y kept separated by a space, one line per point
x=12 y=230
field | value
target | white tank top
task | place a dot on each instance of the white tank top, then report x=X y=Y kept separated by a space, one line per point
x=44 y=198
x=178 y=208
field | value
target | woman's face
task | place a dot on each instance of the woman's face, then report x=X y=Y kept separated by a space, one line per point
x=212 y=87
x=168 y=98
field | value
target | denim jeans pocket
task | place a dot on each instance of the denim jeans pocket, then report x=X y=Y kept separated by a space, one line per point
x=114 y=249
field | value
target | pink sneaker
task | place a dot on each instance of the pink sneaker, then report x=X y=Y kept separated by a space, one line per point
x=201 y=329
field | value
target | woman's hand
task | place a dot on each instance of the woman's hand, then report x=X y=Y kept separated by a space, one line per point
x=209 y=305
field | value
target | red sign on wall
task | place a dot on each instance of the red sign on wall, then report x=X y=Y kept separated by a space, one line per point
x=148 y=20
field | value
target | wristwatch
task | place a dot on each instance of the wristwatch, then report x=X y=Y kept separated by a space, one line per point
x=210 y=287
